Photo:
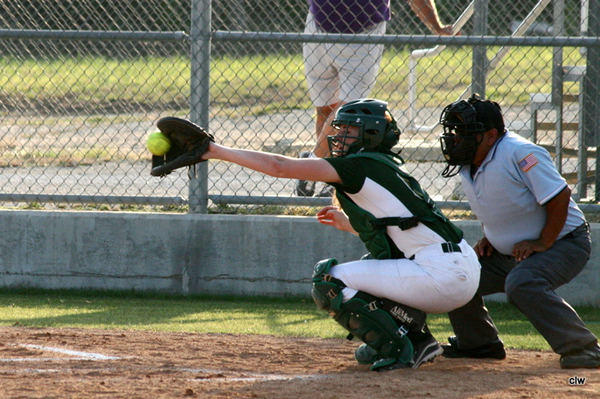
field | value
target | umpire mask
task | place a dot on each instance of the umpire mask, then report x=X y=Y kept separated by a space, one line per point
x=464 y=122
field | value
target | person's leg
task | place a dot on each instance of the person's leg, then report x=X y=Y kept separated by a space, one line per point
x=357 y=66
x=530 y=287
x=322 y=76
x=423 y=287
x=323 y=128
x=323 y=88
x=472 y=323
x=430 y=286
x=362 y=316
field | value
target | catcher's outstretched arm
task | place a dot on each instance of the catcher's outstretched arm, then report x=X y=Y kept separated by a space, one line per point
x=312 y=169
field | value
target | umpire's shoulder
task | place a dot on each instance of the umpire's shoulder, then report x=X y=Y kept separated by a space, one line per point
x=524 y=155
x=515 y=145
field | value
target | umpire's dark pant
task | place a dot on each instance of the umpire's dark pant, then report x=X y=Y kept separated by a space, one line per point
x=530 y=285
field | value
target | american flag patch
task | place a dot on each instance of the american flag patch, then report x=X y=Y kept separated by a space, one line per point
x=528 y=162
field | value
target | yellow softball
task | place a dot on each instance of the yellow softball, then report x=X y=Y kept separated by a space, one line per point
x=158 y=143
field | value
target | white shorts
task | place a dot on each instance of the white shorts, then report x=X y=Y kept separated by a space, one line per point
x=434 y=282
x=340 y=71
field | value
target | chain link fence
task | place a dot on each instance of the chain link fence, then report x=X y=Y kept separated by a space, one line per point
x=84 y=82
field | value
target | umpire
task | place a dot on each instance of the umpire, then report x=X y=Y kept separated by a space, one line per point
x=535 y=237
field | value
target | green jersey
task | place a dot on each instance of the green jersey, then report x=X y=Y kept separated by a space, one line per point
x=376 y=186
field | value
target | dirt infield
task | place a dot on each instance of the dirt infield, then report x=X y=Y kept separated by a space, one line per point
x=87 y=363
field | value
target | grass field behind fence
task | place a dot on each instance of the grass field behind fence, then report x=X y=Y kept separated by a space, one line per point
x=296 y=317
x=263 y=84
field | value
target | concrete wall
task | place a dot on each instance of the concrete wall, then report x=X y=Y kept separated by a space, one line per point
x=193 y=254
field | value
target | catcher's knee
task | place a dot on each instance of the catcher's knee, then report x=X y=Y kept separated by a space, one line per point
x=326 y=291
x=360 y=316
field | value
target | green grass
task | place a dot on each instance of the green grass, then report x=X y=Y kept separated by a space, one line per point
x=296 y=317
x=523 y=70
x=95 y=78
x=263 y=84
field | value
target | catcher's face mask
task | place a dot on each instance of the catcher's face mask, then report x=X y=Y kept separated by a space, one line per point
x=346 y=140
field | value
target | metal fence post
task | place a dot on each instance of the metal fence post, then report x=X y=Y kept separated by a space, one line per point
x=591 y=111
x=200 y=96
x=557 y=79
x=480 y=61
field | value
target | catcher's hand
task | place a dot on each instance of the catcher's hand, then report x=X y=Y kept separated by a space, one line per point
x=188 y=142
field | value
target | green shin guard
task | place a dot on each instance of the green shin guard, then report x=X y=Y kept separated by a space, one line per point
x=369 y=323
x=376 y=328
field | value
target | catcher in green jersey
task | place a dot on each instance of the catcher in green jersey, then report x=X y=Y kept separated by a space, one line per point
x=418 y=262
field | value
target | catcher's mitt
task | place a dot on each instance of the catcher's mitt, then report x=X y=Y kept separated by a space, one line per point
x=188 y=142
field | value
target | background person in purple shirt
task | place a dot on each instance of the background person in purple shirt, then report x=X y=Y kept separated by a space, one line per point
x=350 y=16
x=340 y=72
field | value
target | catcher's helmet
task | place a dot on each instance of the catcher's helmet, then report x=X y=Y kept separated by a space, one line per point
x=378 y=131
x=463 y=122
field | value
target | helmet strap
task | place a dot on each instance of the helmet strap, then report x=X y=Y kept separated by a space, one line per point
x=451 y=170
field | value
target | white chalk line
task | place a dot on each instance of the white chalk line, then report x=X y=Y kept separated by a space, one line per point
x=252 y=377
x=43 y=359
x=77 y=355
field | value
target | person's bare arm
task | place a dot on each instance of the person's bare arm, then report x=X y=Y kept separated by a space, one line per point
x=556 y=215
x=312 y=169
x=426 y=10
x=334 y=216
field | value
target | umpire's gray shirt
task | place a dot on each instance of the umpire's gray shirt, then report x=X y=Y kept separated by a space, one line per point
x=509 y=190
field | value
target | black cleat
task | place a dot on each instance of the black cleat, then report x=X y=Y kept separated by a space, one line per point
x=389 y=364
x=587 y=358
x=493 y=350
x=326 y=191
x=425 y=351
